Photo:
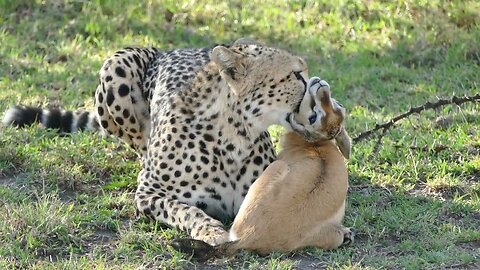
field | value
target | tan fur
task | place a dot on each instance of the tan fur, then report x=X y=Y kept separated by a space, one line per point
x=299 y=200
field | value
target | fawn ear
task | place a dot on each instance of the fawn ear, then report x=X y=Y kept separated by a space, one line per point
x=344 y=143
x=325 y=97
x=231 y=66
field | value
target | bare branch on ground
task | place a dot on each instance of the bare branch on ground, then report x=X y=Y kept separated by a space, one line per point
x=426 y=106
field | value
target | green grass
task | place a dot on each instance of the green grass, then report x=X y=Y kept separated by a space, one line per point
x=67 y=202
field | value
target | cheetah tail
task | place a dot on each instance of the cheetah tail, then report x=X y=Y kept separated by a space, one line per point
x=202 y=251
x=64 y=121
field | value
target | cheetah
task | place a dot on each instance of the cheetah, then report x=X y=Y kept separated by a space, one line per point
x=299 y=200
x=198 y=120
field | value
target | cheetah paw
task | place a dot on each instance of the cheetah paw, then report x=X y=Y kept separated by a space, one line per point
x=215 y=236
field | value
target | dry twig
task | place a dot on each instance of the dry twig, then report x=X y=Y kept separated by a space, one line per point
x=428 y=105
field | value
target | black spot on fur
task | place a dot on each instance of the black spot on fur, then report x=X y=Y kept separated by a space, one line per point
x=120 y=72
x=119 y=120
x=110 y=97
x=100 y=98
x=230 y=147
x=201 y=205
x=258 y=160
x=123 y=90
x=204 y=159
x=208 y=137
x=104 y=124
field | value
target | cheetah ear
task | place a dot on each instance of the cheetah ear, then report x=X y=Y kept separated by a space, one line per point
x=344 y=143
x=230 y=65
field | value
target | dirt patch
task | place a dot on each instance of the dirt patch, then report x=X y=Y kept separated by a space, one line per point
x=102 y=239
x=104 y=236
x=306 y=262
x=70 y=195
x=443 y=192
x=464 y=266
x=8 y=181
x=301 y=261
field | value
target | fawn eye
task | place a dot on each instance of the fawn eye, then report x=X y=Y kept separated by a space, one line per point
x=312 y=118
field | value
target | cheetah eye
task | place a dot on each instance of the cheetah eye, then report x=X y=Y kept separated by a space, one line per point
x=297 y=75
x=312 y=118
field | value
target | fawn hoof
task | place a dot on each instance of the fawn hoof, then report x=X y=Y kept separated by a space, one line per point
x=348 y=237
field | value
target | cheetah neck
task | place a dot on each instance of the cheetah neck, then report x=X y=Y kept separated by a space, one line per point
x=217 y=102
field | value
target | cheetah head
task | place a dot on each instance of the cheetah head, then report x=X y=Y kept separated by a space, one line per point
x=267 y=83
x=320 y=117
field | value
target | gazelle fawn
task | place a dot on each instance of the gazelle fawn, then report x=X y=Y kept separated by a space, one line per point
x=299 y=200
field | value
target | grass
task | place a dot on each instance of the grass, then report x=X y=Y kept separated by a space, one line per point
x=66 y=202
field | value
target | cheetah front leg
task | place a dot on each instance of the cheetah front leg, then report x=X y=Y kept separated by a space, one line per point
x=168 y=210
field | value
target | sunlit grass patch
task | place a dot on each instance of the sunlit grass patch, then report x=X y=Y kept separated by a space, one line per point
x=45 y=230
x=67 y=202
